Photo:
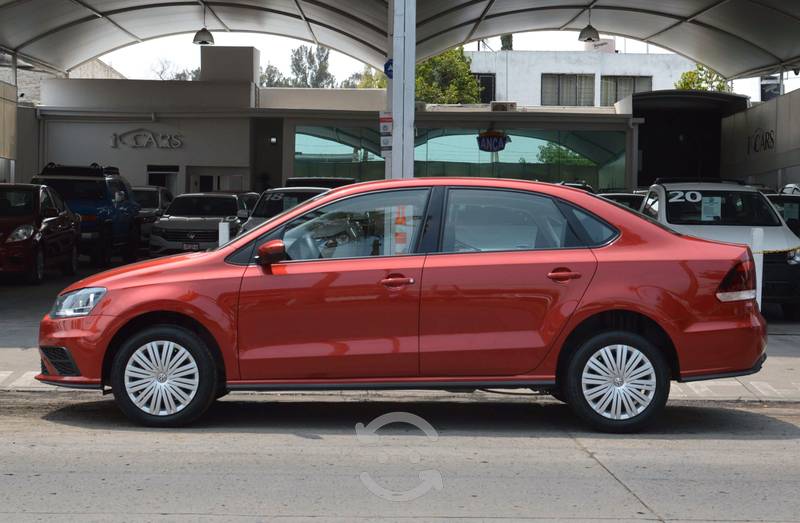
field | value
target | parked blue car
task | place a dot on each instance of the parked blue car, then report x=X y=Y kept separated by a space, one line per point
x=105 y=201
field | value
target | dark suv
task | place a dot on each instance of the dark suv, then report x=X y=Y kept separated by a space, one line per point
x=104 y=200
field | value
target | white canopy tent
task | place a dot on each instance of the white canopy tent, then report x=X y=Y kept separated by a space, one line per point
x=735 y=37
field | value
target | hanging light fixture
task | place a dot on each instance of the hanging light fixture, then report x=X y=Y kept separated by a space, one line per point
x=203 y=36
x=589 y=33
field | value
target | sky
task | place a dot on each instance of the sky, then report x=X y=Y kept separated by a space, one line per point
x=140 y=61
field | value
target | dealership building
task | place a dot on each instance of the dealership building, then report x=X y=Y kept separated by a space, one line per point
x=595 y=116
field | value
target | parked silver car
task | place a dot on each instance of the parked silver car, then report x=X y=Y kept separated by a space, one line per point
x=191 y=222
x=154 y=201
x=275 y=201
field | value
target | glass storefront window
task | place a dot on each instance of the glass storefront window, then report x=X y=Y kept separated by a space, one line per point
x=596 y=157
x=351 y=152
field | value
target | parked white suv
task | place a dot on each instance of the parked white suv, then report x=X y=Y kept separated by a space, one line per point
x=729 y=212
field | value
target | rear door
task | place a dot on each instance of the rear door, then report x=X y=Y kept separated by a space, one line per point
x=510 y=273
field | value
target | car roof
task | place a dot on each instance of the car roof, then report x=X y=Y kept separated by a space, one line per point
x=298 y=189
x=209 y=195
x=21 y=186
x=707 y=186
x=789 y=196
x=635 y=195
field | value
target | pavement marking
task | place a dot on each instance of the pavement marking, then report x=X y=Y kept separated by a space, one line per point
x=26 y=381
x=4 y=375
x=765 y=388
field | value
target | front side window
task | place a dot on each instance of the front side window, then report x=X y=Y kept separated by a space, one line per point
x=379 y=224
x=479 y=220
x=738 y=208
x=45 y=201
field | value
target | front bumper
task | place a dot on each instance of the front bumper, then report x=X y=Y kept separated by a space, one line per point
x=160 y=247
x=84 y=340
x=16 y=257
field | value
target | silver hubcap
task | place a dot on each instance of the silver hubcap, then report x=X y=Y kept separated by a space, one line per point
x=161 y=378
x=618 y=382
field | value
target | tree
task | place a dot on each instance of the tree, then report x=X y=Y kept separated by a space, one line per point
x=271 y=76
x=187 y=75
x=447 y=79
x=507 y=42
x=703 y=79
x=369 y=78
x=310 y=67
x=553 y=153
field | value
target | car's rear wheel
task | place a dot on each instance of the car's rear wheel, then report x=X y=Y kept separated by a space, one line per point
x=164 y=376
x=617 y=381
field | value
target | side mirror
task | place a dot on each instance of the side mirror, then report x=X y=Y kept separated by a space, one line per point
x=242 y=214
x=119 y=197
x=272 y=252
x=49 y=212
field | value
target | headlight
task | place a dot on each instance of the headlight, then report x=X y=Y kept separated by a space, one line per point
x=793 y=257
x=21 y=233
x=77 y=303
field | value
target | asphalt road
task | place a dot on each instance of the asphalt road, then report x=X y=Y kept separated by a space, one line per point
x=74 y=457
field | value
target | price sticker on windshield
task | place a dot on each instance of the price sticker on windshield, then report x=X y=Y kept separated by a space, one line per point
x=711 y=209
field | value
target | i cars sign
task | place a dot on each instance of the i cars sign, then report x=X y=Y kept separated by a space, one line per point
x=144 y=138
x=492 y=141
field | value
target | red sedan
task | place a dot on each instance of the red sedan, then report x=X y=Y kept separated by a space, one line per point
x=454 y=283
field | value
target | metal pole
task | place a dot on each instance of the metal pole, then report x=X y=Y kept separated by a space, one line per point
x=404 y=60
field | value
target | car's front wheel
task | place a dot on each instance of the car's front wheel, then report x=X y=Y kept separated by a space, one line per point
x=164 y=376
x=617 y=381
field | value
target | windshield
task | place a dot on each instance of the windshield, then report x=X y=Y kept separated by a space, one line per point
x=274 y=203
x=720 y=208
x=71 y=189
x=16 y=202
x=147 y=199
x=202 y=206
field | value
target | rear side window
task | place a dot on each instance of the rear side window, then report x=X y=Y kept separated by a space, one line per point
x=479 y=220
x=596 y=231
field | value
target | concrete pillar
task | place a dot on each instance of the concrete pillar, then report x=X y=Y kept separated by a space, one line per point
x=403 y=35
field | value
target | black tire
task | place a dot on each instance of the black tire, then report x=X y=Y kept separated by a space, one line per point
x=206 y=391
x=130 y=253
x=791 y=311
x=36 y=272
x=573 y=390
x=70 y=266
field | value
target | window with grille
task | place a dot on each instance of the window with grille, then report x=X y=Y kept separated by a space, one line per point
x=616 y=88
x=568 y=89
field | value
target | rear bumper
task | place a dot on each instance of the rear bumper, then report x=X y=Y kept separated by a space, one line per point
x=719 y=349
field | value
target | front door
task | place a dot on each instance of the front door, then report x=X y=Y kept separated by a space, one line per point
x=346 y=303
x=510 y=274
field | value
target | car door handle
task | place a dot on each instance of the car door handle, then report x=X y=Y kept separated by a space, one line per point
x=563 y=275
x=397 y=281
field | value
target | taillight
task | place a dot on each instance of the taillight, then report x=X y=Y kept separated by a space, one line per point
x=739 y=284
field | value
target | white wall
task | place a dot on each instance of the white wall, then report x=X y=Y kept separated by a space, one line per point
x=223 y=143
x=323 y=99
x=518 y=74
x=146 y=95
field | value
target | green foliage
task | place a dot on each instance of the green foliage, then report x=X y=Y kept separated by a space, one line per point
x=271 y=76
x=552 y=153
x=310 y=67
x=188 y=75
x=703 y=79
x=447 y=79
x=507 y=42
x=369 y=78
